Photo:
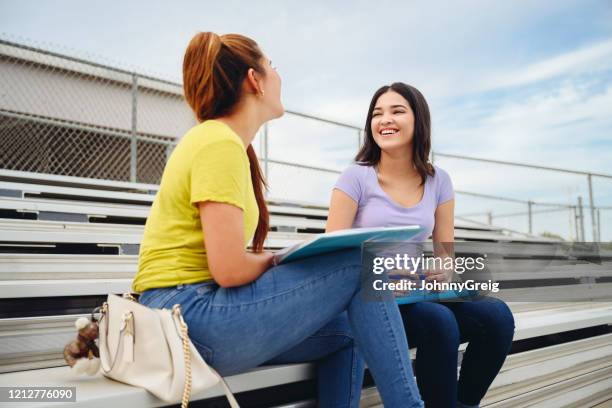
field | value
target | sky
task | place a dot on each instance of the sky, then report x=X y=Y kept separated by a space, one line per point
x=526 y=81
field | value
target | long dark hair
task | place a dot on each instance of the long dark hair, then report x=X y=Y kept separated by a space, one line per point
x=214 y=68
x=369 y=154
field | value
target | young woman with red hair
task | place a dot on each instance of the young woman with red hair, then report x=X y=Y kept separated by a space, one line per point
x=241 y=310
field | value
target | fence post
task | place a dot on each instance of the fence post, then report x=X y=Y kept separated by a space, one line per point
x=598 y=225
x=134 y=142
x=571 y=216
x=581 y=218
x=575 y=215
x=530 y=216
x=490 y=217
x=593 y=220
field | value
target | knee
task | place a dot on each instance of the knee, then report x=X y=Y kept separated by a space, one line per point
x=436 y=324
x=498 y=320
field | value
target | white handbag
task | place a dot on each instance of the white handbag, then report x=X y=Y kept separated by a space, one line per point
x=150 y=348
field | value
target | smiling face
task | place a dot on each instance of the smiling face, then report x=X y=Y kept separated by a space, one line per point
x=392 y=122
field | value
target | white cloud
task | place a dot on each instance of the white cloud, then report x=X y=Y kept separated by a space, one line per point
x=542 y=128
x=587 y=59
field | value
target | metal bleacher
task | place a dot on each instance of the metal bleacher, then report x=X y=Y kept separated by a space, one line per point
x=66 y=242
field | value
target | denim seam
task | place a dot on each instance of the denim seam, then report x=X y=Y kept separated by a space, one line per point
x=330 y=333
x=156 y=296
x=353 y=375
x=396 y=351
x=289 y=291
x=164 y=296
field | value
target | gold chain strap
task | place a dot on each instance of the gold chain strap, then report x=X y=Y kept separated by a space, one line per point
x=187 y=354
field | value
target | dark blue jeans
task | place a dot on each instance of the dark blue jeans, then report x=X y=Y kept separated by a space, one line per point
x=437 y=329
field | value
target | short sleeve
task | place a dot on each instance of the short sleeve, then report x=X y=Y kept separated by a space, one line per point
x=219 y=172
x=445 y=191
x=350 y=182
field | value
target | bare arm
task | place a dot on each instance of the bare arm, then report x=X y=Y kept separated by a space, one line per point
x=229 y=263
x=443 y=236
x=444 y=227
x=342 y=211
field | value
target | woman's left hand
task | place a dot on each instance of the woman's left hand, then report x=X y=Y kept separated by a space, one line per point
x=438 y=275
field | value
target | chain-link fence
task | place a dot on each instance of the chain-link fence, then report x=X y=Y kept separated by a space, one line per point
x=69 y=116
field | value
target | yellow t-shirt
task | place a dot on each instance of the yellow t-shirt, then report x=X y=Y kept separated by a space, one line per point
x=210 y=163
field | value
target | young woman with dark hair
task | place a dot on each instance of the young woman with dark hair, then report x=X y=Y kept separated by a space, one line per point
x=241 y=310
x=393 y=184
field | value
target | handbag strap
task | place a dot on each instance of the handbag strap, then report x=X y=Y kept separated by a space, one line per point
x=106 y=367
x=186 y=355
x=228 y=393
x=176 y=309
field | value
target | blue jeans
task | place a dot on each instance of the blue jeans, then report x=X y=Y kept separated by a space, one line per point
x=437 y=329
x=308 y=310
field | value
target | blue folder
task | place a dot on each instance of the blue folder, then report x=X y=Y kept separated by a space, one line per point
x=354 y=238
x=425 y=295
x=345 y=239
x=420 y=295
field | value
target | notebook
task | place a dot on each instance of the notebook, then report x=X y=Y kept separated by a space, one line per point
x=344 y=239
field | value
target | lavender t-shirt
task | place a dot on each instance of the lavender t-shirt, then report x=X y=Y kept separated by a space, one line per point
x=377 y=209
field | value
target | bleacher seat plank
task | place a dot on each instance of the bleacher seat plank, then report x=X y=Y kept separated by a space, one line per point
x=101 y=392
x=62 y=287
x=539 y=368
x=72 y=181
x=548 y=321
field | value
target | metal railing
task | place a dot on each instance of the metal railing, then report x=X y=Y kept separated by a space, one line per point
x=65 y=115
x=579 y=207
